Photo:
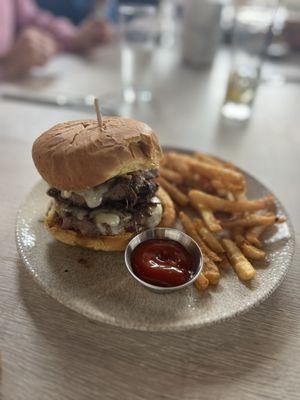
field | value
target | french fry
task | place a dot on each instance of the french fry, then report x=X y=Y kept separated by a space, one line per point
x=188 y=226
x=224 y=264
x=222 y=193
x=177 y=195
x=201 y=282
x=206 y=250
x=195 y=181
x=253 y=233
x=218 y=204
x=237 y=234
x=170 y=175
x=227 y=164
x=169 y=215
x=241 y=196
x=229 y=196
x=190 y=229
x=211 y=271
x=251 y=220
x=206 y=169
x=225 y=194
x=213 y=160
x=206 y=158
x=247 y=249
x=223 y=186
x=190 y=178
x=172 y=163
x=211 y=241
x=198 y=223
x=212 y=223
x=241 y=265
x=253 y=252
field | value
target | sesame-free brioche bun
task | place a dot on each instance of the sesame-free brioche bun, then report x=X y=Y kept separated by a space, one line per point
x=77 y=155
x=106 y=243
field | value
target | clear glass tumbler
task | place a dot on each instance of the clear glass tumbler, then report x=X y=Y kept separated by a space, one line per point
x=138 y=30
x=251 y=37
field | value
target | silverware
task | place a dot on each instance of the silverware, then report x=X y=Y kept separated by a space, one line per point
x=58 y=100
x=165 y=233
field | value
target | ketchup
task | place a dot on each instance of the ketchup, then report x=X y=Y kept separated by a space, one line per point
x=162 y=262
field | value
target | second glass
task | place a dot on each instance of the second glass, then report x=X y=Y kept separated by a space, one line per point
x=252 y=35
x=138 y=37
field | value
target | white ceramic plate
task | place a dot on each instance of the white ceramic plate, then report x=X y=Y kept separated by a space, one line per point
x=98 y=285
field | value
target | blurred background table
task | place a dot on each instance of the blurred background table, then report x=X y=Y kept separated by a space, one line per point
x=50 y=352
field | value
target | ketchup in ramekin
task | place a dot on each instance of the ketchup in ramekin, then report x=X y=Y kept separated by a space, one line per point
x=163 y=262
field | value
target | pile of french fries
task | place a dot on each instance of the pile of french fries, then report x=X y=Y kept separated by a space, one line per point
x=225 y=224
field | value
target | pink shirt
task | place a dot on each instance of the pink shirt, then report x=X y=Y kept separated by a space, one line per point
x=16 y=15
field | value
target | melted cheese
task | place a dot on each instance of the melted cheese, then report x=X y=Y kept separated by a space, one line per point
x=65 y=194
x=93 y=197
x=110 y=219
x=155 y=217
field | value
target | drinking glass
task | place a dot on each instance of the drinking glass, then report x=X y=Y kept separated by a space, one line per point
x=201 y=32
x=252 y=35
x=138 y=37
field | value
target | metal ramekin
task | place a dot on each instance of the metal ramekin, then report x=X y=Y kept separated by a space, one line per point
x=171 y=234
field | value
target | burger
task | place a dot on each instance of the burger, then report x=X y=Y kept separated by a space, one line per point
x=102 y=182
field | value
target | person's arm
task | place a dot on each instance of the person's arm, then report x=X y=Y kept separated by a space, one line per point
x=28 y=14
x=31 y=49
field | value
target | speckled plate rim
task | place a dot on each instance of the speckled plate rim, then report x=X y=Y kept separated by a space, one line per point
x=162 y=328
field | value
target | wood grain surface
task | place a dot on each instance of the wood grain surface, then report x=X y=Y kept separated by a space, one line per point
x=49 y=352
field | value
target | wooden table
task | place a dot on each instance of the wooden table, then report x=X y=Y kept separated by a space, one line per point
x=49 y=352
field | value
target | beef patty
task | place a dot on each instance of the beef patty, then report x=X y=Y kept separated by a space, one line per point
x=112 y=221
x=123 y=192
x=130 y=198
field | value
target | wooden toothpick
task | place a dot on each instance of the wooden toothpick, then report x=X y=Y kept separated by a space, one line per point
x=98 y=112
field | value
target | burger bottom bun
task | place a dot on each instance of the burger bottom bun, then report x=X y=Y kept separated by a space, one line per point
x=73 y=238
x=106 y=243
